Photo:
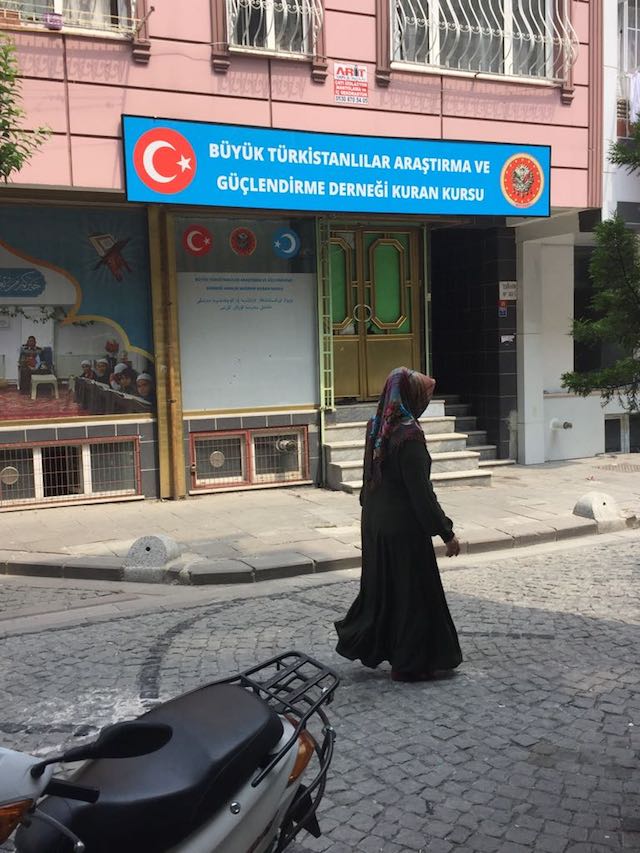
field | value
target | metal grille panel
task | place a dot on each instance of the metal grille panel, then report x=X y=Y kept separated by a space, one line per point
x=17 y=481
x=115 y=16
x=220 y=460
x=61 y=471
x=281 y=26
x=62 y=474
x=532 y=39
x=278 y=456
x=113 y=467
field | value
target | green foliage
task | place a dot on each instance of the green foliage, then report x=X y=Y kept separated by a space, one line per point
x=626 y=152
x=615 y=272
x=17 y=145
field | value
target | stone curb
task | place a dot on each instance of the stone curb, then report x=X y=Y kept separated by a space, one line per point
x=260 y=567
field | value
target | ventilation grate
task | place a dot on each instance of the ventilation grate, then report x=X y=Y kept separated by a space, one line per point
x=58 y=471
x=220 y=460
x=249 y=457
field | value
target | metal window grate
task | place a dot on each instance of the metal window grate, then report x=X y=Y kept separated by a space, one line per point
x=114 y=16
x=220 y=460
x=278 y=456
x=507 y=37
x=113 y=467
x=249 y=457
x=279 y=26
x=17 y=481
x=60 y=471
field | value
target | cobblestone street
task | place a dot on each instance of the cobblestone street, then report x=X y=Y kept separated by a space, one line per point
x=533 y=745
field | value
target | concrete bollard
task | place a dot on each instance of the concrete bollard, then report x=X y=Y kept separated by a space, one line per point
x=149 y=557
x=603 y=509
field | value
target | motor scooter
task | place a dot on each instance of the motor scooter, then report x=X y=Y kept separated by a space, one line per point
x=225 y=768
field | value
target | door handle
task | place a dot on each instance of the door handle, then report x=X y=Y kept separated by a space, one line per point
x=366 y=308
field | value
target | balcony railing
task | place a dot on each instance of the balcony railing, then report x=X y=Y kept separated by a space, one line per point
x=530 y=39
x=277 y=26
x=113 y=16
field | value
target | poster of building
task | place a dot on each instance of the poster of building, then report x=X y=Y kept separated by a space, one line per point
x=75 y=313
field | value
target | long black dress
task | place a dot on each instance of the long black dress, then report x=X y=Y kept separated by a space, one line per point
x=401 y=613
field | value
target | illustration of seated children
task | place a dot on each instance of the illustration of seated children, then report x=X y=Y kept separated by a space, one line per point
x=87 y=370
x=103 y=371
x=123 y=379
x=144 y=388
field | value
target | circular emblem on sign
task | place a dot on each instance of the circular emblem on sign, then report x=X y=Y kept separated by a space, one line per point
x=243 y=241
x=286 y=243
x=197 y=240
x=164 y=160
x=522 y=180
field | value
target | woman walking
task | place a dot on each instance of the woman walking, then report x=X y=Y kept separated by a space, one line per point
x=400 y=614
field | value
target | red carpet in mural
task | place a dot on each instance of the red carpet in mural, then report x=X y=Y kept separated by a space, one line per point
x=15 y=406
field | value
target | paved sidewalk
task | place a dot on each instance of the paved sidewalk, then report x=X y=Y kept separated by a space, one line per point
x=260 y=535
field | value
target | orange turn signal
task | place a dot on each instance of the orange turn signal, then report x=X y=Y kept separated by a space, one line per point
x=306 y=748
x=10 y=816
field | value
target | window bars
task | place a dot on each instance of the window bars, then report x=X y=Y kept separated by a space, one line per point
x=518 y=38
x=59 y=471
x=628 y=65
x=277 y=26
x=115 y=16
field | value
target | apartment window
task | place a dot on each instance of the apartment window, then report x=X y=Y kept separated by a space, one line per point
x=99 y=15
x=628 y=63
x=505 y=37
x=276 y=26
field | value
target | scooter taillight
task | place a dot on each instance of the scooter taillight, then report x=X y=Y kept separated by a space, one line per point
x=306 y=748
x=10 y=816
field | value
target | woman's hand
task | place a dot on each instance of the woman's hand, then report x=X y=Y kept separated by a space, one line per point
x=453 y=547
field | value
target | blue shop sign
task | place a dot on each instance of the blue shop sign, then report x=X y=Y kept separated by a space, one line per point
x=221 y=165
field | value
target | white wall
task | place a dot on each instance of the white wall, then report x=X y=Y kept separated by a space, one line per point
x=556 y=271
x=584 y=438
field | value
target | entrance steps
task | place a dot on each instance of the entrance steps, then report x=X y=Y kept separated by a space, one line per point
x=455 y=461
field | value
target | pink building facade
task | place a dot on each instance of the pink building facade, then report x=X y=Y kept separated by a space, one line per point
x=256 y=324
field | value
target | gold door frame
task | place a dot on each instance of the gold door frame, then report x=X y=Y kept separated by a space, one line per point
x=362 y=361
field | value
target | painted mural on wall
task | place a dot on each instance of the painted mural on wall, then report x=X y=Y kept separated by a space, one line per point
x=75 y=313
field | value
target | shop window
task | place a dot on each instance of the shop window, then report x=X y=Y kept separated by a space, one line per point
x=100 y=15
x=613 y=435
x=622 y=433
x=59 y=471
x=505 y=37
x=248 y=458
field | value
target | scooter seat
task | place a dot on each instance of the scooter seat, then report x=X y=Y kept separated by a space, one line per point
x=221 y=735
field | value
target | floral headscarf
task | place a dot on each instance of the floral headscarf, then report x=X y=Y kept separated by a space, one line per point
x=405 y=396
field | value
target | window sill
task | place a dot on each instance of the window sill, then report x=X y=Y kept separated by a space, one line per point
x=418 y=68
x=34 y=26
x=269 y=54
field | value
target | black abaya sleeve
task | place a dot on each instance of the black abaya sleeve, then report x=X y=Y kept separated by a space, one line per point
x=415 y=467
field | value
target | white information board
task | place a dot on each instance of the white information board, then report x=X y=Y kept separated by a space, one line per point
x=247 y=339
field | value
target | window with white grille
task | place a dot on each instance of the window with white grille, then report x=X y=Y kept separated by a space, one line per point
x=99 y=15
x=249 y=457
x=628 y=63
x=532 y=39
x=277 y=26
x=68 y=471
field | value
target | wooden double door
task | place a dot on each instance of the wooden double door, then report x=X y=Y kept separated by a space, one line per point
x=376 y=289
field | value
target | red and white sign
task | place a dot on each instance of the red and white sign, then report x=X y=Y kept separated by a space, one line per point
x=197 y=240
x=164 y=160
x=350 y=83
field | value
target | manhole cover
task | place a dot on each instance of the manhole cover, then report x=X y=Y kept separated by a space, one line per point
x=624 y=469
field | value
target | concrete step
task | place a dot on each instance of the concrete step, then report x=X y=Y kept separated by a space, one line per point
x=352 y=431
x=476 y=436
x=458 y=410
x=440 y=481
x=495 y=463
x=348 y=451
x=447 y=462
x=467 y=424
x=448 y=398
x=488 y=452
x=354 y=413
